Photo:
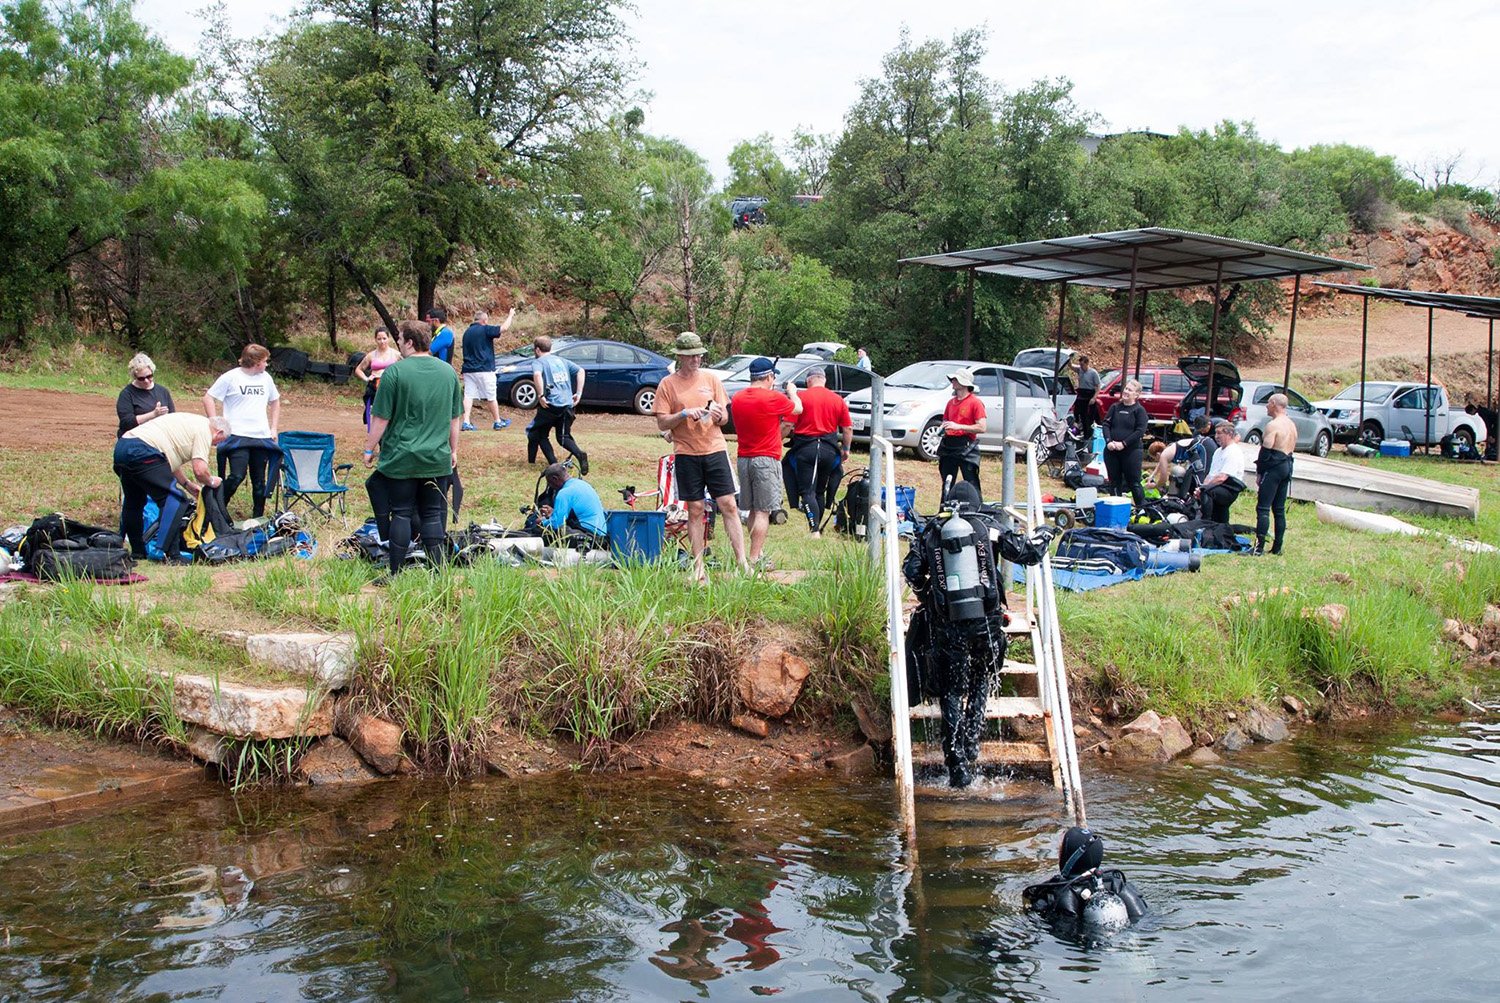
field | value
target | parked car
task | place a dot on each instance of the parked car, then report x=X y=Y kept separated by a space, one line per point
x=915 y=398
x=842 y=379
x=732 y=365
x=1162 y=389
x=1228 y=391
x=1059 y=387
x=823 y=349
x=1399 y=410
x=748 y=210
x=1314 y=433
x=618 y=375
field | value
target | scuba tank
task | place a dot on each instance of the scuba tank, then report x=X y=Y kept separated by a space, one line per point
x=962 y=588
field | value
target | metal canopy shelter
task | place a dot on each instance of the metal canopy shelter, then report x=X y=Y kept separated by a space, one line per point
x=1144 y=259
x=1481 y=307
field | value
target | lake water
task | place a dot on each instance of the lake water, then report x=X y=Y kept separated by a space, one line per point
x=1331 y=867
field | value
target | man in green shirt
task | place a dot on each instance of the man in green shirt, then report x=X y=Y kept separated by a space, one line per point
x=414 y=431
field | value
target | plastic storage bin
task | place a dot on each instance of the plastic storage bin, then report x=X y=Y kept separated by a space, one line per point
x=1112 y=513
x=1395 y=447
x=636 y=536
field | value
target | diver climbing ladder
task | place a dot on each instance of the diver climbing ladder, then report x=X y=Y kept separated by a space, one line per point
x=1045 y=675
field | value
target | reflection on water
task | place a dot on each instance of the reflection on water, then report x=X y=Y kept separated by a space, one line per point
x=1360 y=866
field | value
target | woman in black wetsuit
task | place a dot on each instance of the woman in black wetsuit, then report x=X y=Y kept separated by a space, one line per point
x=1124 y=428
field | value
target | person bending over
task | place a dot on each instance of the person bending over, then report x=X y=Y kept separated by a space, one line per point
x=577 y=516
x=149 y=461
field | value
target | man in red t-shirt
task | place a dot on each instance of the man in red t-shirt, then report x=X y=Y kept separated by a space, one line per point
x=963 y=421
x=820 y=444
x=758 y=413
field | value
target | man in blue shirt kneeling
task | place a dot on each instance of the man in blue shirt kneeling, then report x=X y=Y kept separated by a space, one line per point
x=577 y=516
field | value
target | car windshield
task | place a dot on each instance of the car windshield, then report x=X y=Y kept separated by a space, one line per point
x=528 y=350
x=733 y=364
x=922 y=376
x=1374 y=393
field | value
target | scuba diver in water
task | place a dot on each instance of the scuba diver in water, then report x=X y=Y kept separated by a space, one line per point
x=956 y=641
x=1080 y=892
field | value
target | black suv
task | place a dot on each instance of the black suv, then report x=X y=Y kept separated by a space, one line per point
x=748 y=210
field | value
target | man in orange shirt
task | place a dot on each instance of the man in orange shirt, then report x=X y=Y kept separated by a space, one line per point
x=820 y=445
x=691 y=404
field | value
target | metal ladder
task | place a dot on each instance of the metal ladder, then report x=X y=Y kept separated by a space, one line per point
x=1045 y=673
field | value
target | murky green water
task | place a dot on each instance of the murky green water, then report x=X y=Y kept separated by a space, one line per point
x=1358 y=867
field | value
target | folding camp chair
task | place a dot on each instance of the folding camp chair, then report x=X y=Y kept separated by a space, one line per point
x=309 y=476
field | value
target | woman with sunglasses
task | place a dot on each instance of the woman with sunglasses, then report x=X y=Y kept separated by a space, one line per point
x=142 y=399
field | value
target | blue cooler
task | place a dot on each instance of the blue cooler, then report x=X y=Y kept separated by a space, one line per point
x=636 y=536
x=1395 y=447
x=1112 y=513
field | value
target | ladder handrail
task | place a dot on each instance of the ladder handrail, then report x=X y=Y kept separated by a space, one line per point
x=884 y=513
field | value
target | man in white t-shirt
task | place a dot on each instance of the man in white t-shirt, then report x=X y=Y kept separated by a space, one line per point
x=1226 y=475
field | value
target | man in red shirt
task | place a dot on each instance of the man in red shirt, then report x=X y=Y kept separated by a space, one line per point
x=758 y=413
x=692 y=405
x=820 y=445
x=963 y=421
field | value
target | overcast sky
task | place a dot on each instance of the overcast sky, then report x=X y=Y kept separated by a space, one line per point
x=1412 y=80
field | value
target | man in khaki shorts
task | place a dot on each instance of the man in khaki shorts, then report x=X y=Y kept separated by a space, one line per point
x=691 y=404
x=758 y=413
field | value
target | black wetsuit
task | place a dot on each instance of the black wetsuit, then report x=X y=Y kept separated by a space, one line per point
x=1274 y=470
x=1065 y=900
x=1126 y=423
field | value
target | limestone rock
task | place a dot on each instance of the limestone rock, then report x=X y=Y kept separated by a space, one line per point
x=1203 y=756
x=858 y=763
x=872 y=724
x=1452 y=629
x=1152 y=736
x=325 y=658
x=1469 y=641
x=770 y=680
x=240 y=710
x=1264 y=726
x=334 y=761
x=1291 y=704
x=751 y=724
x=206 y=745
x=1234 y=740
x=1491 y=618
x=378 y=742
x=1333 y=615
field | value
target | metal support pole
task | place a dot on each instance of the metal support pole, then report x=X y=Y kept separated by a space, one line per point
x=1427 y=393
x=969 y=316
x=1129 y=315
x=1007 y=459
x=1489 y=371
x=1364 y=346
x=877 y=474
x=1213 y=342
x=1286 y=380
x=1140 y=334
x=1062 y=308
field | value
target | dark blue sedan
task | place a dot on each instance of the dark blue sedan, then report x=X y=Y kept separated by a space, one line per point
x=617 y=374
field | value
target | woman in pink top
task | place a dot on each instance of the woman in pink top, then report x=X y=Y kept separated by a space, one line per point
x=371 y=366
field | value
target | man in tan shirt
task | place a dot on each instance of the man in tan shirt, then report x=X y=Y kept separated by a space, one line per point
x=150 y=458
x=692 y=405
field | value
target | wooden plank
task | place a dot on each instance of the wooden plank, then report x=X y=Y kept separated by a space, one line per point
x=995 y=708
x=1014 y=753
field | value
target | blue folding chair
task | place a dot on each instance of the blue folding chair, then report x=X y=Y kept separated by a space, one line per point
x=309 y=476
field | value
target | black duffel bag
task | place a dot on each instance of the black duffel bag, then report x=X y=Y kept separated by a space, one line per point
x=57 y=548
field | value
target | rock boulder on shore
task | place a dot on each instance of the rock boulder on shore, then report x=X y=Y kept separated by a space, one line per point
x=1152 y=738
x=769 y=680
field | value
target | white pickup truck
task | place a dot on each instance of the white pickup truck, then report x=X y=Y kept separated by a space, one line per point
x=1395 y=410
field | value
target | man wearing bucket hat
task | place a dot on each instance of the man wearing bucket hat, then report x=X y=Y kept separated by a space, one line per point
x=963 y=421
x=692 y=405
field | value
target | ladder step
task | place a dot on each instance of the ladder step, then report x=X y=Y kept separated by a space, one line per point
x=992 y=752
x=1019 y=668
x=994 y=708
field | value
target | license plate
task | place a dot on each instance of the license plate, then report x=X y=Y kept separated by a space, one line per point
x=860 y=424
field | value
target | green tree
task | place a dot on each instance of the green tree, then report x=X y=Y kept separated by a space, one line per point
x=796 y=304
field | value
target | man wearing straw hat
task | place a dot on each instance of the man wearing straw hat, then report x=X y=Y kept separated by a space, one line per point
x=692 y=405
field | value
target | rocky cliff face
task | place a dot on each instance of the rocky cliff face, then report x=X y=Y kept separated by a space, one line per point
x=1431 y=256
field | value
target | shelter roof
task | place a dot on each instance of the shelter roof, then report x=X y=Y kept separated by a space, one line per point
x=1163 y=259
x=1484 y=307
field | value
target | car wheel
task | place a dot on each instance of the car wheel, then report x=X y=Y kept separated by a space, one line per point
x=1254 y=437
x=1372 y=431
x=930 y=439
x=644 y=401
x=1464 y=435
x=523 y=394
x=1323 y=443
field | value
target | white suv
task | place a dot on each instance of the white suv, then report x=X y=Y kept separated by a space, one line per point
x=915 y=398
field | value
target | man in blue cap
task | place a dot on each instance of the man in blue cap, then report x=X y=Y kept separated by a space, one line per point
x=758 y=413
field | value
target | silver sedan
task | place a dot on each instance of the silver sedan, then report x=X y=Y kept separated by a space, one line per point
x=1314 y=433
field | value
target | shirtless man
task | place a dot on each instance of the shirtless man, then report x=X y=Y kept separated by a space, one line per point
x=1273 y=471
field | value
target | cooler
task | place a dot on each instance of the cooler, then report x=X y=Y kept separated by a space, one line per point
x=1112 y=512
x=1395 y=447
x=636 y=536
